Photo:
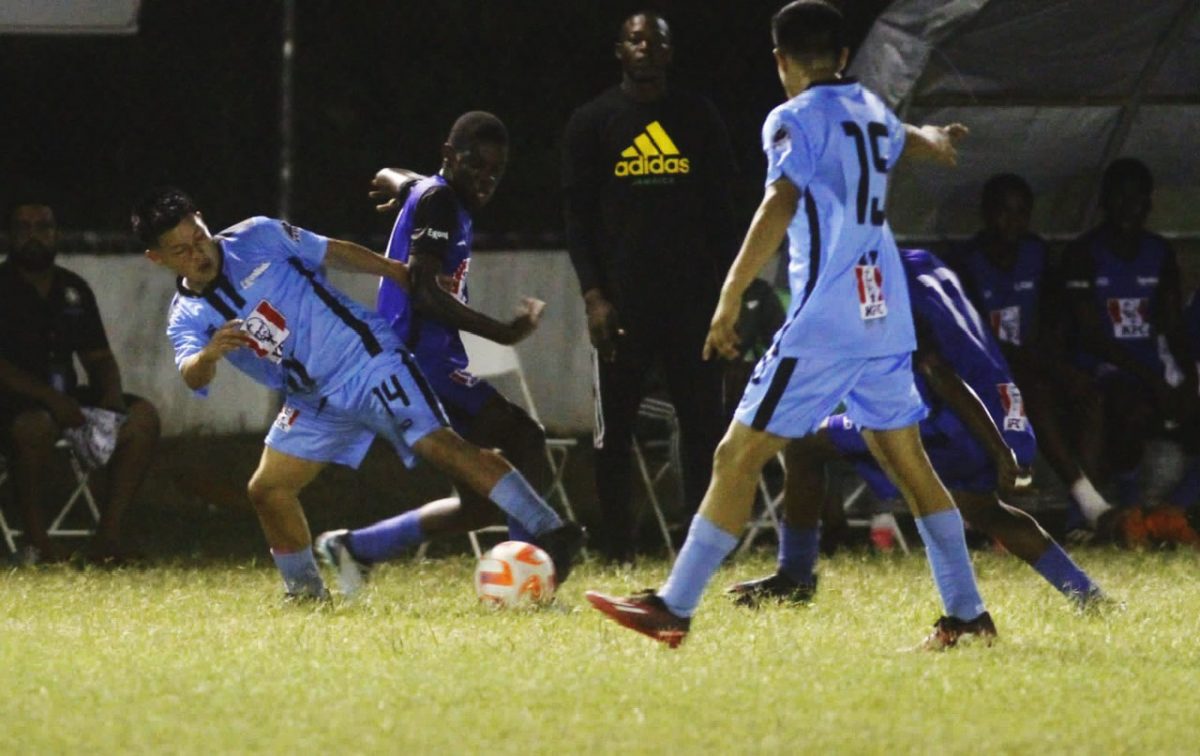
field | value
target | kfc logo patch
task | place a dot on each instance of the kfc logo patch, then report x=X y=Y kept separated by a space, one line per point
x=267 y=329
x=1130 y=318
x=1014 y=407
x=1006 y=324
x=286 y=418
x=868 y=278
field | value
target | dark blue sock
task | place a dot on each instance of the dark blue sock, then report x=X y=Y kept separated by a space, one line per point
x=516 y=531
x=1064 y=574
x=387 y=539
x=798 y=550
x=946 y=549
x=516 y=497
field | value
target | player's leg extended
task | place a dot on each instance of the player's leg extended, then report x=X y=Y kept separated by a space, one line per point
x=901 y=455
x=804 y=487
x=723 y=513
x=274 y=491
x=1021 y=535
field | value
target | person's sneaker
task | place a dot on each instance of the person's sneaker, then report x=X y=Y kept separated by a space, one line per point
x=1168 y=524
x=562 y=545
x=948 y=631
x=778 y=587
x=644 y=612
x=332 y=549
x=1130 y=527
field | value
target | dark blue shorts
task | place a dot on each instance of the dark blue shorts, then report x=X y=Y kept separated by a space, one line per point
x=462 y=395
x=959 y=460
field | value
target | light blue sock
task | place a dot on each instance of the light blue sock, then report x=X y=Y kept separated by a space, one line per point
x=516 y=532
x=387 y=539
x=946 y=549
x=1064 y=574
x=517 y=498
x=300 y=574
x=798 y=549
x=702 y=553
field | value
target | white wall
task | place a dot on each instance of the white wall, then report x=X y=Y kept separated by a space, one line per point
x=133 y=296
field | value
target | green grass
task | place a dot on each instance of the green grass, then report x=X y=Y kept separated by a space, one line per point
x=205 y=659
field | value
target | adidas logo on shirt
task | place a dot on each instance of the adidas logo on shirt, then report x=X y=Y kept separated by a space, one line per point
x=651 y=154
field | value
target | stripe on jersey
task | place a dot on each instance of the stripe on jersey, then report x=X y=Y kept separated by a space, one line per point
x=370 y=343
x=220 y=305
x=224 y=285
x=814 y=242
x=779 y=383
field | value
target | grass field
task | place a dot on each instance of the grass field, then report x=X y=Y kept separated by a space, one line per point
x=205 y=658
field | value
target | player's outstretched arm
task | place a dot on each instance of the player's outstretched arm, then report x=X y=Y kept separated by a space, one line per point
x=766 y=233
x=964 y=402
x=936 y=143
x=433 y=300
x=388 y=186
x=199 y=369
x=345 y=255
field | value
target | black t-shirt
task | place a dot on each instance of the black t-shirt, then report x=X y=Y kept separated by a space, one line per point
x=648 y=203
x=41 y=336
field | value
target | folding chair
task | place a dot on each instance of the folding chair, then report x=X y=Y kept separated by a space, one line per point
x=770 y=516
x=670 y=457
x=491 y=360
x=58 y=527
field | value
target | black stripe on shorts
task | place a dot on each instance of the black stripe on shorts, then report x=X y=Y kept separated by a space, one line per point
x=779 y=383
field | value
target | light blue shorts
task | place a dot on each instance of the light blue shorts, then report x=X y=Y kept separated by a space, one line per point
x=389 y=398
x=791 y=396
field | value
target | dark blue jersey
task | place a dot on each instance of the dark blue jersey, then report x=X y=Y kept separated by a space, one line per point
x=1126 y=294
x=1008 y=299
x=432 y=221
x=947 y=323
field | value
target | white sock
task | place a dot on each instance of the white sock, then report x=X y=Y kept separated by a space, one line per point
x=1089 y=499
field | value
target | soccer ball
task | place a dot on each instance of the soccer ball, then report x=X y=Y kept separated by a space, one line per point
x=514 y=574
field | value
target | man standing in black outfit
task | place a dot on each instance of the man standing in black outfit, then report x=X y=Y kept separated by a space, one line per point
x=646 y=173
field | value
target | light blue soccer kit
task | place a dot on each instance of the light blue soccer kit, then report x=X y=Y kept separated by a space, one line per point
x=345 y=375
x=849 y=335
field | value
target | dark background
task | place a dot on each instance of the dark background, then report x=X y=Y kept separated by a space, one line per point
x=193 y=99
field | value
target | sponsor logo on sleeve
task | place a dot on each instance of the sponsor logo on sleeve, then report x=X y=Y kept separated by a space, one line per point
x=868 y=278
x=292 y=232
x=267 y=329
x=432 y=233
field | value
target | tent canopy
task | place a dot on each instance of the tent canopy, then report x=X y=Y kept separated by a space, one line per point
x=1052 y=90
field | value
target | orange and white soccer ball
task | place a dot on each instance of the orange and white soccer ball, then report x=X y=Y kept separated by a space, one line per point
x=515 y=574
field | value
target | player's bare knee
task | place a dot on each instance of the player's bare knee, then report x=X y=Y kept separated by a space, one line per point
x=144 y=420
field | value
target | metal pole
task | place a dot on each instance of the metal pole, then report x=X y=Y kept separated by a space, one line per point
x=286 y=117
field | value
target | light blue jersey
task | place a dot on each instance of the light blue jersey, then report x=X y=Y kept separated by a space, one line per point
x=836 y=141
x=307 y=337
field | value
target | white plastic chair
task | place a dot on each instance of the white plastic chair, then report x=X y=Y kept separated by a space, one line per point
x=491 y=360
x=58 y=527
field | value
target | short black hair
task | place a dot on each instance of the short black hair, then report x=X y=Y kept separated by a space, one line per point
x=159 y=211
x=1126 y=169
x=475 y=127
x=649 y=13
x=809 y=29
x=1000 y=186
x=27 y=200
